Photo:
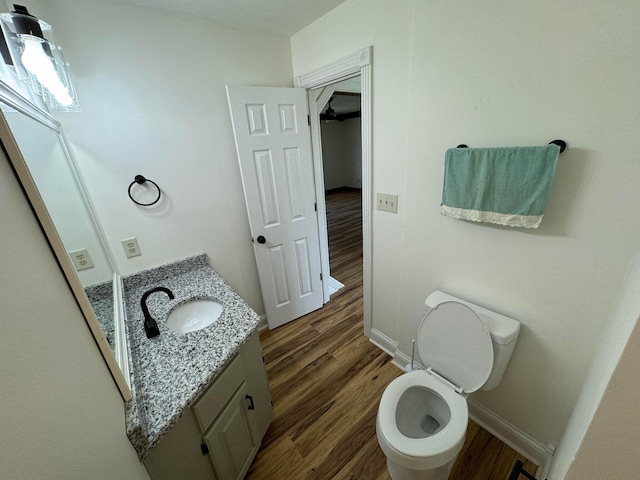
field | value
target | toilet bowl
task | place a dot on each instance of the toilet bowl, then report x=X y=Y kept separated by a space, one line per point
x=421 y=425
x=423 y=415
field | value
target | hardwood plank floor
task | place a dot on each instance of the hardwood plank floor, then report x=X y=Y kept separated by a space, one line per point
x=326 y=381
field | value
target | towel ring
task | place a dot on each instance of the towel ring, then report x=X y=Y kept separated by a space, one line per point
x=139 y=179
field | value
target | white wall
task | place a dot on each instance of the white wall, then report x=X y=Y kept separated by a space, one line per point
x=152 y=94
x=614 y=428
x=490 y=75
x=342 y=153
x=387 y=26
x=610 y=447
x=62 y=415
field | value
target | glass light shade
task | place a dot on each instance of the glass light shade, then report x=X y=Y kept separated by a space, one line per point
x=36 y=59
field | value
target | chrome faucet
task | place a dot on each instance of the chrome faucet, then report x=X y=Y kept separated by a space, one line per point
x=150 y=325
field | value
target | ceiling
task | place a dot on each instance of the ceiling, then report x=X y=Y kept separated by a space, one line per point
x=344 y=103
x=280 y=17
x=346 y=97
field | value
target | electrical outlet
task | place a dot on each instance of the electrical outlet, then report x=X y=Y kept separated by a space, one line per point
x=81 y=259
x=387 y=202
x=131 y=248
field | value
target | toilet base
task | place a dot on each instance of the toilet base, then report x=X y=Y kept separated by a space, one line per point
x=398 y=472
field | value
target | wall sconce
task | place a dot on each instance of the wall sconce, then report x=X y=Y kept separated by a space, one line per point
x=37 y=59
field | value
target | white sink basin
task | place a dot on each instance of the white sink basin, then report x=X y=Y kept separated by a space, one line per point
x=194 y=315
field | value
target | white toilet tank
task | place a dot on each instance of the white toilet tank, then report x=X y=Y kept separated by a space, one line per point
x=504 y=333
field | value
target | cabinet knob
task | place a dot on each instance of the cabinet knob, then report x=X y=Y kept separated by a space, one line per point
x=251 y=405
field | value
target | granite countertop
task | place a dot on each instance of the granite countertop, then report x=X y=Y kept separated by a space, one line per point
x=170 y=371
x=100 y=296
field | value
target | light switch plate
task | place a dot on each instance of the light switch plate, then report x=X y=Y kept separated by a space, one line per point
x=387 y=202
x=131 y=248
x=81 y=259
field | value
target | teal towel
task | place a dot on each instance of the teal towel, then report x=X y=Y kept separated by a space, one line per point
x=507 y=186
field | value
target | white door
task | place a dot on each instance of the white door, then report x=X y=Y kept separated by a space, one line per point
x=274 y=150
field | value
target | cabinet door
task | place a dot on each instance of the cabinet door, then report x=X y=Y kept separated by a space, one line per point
x=261 y=415
x=231 y=444
x=214 y=400
x=178 y=455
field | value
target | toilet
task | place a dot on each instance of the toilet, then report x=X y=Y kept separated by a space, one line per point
x=423 y=414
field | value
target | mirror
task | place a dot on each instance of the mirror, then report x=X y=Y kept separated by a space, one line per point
x=37 y=148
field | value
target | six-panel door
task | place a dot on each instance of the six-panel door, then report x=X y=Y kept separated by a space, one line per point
x=274 y=151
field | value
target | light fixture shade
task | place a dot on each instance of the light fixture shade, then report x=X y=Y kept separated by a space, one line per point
x=30 y=47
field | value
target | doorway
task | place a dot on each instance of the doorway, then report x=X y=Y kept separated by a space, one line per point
x=344 y=229
x=358 y=63
x=341 y=140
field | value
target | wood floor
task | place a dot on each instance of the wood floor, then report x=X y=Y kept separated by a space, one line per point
x=326 y=381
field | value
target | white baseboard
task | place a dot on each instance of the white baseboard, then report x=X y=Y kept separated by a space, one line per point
x=334 y=285
x=525 y=445
x=263 y=323
x=383 y=342
x=543 y=470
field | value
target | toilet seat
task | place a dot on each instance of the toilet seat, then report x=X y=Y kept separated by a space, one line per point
x=455 y=343
x=421 y=453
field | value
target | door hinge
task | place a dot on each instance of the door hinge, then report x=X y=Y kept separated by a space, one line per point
x=309 y=120
x=315 y=206
x=204 y=449
x=321 y=277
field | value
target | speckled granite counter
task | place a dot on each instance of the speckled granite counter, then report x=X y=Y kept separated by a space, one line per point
x=170 y=371
x=100 y=296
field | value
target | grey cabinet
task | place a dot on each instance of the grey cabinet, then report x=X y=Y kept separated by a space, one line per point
x=230 y=441
x=220 y=435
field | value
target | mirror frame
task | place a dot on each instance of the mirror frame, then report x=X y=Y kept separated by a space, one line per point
x=118 y=362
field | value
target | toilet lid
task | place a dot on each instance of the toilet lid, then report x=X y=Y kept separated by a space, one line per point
x=456 y=344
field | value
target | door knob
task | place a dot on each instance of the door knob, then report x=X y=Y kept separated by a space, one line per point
x=261 y=239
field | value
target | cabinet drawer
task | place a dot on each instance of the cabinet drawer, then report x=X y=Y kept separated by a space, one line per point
x=207 y=408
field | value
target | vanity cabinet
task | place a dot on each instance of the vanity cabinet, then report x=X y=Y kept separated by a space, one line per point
x=220 y=435
x=230 y=441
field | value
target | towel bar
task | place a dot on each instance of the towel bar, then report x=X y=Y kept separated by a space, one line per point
x=561 y=143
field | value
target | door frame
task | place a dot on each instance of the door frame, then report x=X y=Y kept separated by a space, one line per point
x=357 y=63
